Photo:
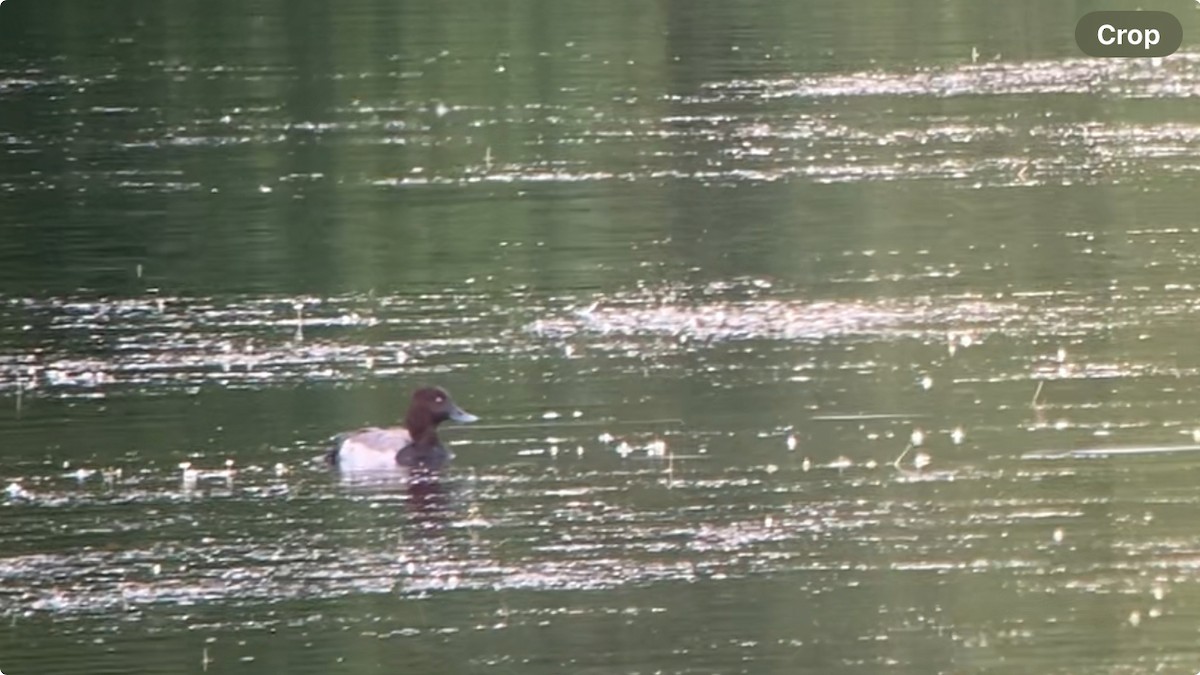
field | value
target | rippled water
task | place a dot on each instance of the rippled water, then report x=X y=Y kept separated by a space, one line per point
x=933 y=122
x=793 y=352
x=595 y=492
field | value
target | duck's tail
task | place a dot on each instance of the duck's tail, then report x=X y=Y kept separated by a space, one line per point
x=331 y=455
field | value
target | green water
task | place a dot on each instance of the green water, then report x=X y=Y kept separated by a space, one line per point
x=705 y=271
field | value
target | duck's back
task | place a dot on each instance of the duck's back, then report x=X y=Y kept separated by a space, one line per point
x=370 y=449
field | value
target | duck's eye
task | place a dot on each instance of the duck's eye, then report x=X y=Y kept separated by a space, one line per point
x=440 y=399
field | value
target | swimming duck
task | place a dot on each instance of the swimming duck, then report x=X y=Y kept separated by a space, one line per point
x=412 y=446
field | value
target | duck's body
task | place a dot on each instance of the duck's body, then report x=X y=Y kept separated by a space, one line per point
x=414 y=446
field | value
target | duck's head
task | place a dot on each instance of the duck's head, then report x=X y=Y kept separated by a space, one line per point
x=430 y=406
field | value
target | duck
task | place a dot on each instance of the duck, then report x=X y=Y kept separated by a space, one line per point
x=412 y=447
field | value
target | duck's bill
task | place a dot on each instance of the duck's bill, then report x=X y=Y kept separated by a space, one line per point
x=459 y=415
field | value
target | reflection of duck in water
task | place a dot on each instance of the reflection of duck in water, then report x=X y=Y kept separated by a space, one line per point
x=428 y=500
x=413 y=449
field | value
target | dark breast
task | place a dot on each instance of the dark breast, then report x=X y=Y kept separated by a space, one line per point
x=431 y=458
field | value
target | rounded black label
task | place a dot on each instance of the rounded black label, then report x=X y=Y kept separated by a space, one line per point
x=1127 y=34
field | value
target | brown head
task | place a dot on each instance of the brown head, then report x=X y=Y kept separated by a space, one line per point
x=430 y=406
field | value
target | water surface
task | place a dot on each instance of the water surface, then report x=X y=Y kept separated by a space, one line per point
x=802 y=341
